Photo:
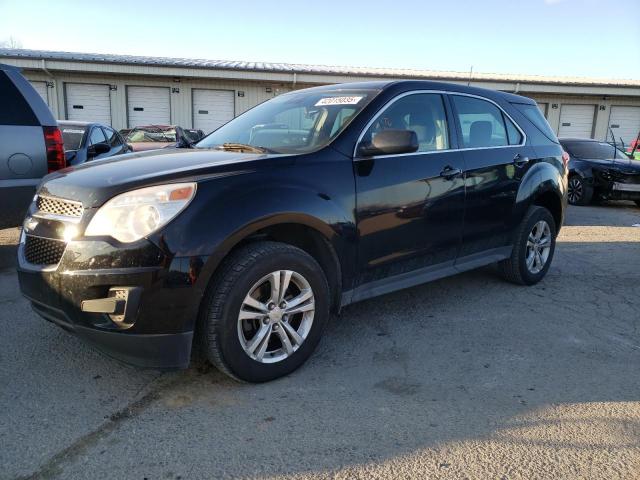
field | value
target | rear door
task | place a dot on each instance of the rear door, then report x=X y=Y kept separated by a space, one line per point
x=496 y=158
x=410 y=206
x=88 y=102
x=148 y=106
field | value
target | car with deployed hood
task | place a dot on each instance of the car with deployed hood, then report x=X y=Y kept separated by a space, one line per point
x=153 y=137
x=85 y=141
x=245 y=243
x=600 y=171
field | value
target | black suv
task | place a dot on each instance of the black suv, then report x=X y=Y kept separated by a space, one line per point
x=308 y=202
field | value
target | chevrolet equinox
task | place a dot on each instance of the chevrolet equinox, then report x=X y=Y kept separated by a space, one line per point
x=246 y=242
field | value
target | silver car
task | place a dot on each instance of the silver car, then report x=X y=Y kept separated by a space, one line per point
x=30 y=144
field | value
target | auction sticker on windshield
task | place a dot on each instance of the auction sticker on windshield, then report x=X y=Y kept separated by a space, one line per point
x=338 y=101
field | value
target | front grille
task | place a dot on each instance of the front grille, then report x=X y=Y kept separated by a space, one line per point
x=58 y=206
x=43 y=251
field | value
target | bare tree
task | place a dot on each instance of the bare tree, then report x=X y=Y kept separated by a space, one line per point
x=11 y=42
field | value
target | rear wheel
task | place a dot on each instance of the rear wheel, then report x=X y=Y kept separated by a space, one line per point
x=638 y=203
x=533 y=248
x=265 y=311
x=579 y=193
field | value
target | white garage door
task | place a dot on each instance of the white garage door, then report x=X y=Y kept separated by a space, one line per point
x=88 y=103
x=543 y=108
x=41 y=88
x=212 y=108
x=148 y=106
x=576 y=121
x=625 y=123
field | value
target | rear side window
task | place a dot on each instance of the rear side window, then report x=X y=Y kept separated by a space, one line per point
x=97 y=136
x=15 y=110
x=533 y=114
x=112 y=137
x=481 y=123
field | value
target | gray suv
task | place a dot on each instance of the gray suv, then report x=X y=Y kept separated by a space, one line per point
x=30 y=144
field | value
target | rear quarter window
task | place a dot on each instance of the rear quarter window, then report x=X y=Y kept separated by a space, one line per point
x=15 y=110
x=533 y=114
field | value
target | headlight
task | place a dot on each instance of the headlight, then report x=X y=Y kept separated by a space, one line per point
x=133 y=215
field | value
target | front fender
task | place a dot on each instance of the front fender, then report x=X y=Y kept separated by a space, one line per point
x=227 y=210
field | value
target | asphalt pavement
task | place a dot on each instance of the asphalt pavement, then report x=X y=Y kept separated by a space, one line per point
x=466 y=377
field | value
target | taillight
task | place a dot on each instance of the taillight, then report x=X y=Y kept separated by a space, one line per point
x=55 y=149
x=565 y=159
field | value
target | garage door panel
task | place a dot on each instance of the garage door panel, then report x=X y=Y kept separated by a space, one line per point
x=212 y=108
x=88 y=102
x=576 y=121
x=543 y=108
x=41 y=88
x=625 y=123
x=148 y=106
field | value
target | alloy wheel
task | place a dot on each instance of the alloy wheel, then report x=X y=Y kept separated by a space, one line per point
x=276 y=316
x=575 y=190
x=538 y=247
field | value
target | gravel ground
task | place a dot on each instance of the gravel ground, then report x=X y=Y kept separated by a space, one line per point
x=467 y=377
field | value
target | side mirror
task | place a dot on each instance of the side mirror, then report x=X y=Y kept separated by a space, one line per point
x=390 y=142
x=97 y=149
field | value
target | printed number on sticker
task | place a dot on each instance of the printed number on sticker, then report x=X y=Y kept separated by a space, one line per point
x=338 y=101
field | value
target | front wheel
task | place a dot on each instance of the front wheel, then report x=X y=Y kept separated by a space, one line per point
x=533 y=248
x=265 y=311
x=579 y=192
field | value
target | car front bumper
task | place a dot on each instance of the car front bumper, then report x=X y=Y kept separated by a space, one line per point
x=160 y=321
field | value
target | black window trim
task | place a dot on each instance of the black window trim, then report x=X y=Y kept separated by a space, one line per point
x=443 y=93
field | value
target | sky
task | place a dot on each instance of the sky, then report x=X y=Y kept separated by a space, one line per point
x=588 y=38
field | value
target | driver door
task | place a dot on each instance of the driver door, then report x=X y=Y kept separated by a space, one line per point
x=409 y=206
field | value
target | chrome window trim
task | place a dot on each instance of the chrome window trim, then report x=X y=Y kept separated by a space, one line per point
x=441 y=93
x=56 y=217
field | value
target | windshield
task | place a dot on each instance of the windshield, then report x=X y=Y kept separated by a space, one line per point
x=72 y=137
x=152 y=134
x=594 y=150
x=292 y=123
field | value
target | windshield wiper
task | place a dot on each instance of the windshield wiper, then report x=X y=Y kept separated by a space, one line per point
x=241 y=147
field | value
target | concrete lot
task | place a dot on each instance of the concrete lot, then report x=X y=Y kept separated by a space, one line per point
x=467 y=377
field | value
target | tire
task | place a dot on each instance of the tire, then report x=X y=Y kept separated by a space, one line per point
x=579 y=192
x=227 y=339
x=515 y=269
x=638 y=203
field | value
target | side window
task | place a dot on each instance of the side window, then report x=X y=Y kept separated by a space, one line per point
x=96 y=136
x=515 y=137
x=480 y=121
x=342 y=118
x=423 y=113
x=113 y=138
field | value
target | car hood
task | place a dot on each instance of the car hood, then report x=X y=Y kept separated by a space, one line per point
x=618 y=164
x=144 y=146
x=95 y=182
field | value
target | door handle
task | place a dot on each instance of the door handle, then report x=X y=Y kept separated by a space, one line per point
x=449 y=172
x=519 y=160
